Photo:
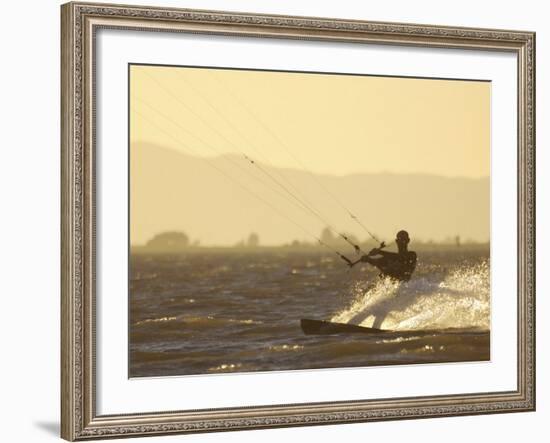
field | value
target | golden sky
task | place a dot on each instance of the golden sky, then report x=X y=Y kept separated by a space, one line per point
x=334 y=124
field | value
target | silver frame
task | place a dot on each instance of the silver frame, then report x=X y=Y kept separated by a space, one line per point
x=80 y=21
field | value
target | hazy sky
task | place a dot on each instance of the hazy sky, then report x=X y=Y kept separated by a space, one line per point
x=335 y=124
x=325 y=124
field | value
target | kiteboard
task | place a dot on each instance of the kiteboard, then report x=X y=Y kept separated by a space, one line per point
x=323 y=327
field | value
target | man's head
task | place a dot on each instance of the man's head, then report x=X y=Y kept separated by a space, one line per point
x=402 y=239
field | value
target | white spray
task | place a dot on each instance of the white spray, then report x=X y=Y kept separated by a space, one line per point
x=461 y=300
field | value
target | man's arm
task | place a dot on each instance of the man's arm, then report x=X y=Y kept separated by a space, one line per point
x=378 y=251
x=367 y=258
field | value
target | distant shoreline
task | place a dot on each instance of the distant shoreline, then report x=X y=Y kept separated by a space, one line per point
x=428 y=247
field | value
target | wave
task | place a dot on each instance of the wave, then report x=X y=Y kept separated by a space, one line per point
x=286 y=348
x=226 y=367
x=460 y=300
x=200 y=320
x=154 y=320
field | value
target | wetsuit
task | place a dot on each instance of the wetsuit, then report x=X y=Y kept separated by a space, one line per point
x=399 y=266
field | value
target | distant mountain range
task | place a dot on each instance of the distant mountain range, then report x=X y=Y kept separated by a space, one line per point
x=211 y=201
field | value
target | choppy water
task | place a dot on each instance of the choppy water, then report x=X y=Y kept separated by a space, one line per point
x=210 y=312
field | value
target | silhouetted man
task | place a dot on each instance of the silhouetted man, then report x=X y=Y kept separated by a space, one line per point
x=399 y=266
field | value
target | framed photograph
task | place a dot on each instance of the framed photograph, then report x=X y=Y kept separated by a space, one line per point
x=283 y=221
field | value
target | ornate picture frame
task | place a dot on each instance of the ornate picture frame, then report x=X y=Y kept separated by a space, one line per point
x=80 y=23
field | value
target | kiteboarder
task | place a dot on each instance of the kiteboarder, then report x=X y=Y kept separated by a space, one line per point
x=399 y=266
